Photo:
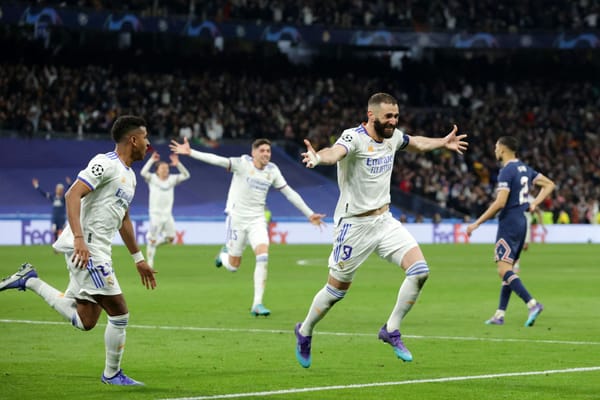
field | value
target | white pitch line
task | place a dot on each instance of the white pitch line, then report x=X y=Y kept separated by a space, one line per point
x=284 y=331
x=397 y=383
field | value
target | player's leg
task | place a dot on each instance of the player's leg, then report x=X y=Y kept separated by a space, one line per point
x=498 y=317
x=114 y=340
x=151 y=240
x=231 y=254
x=400 y=248
x=166 y=231
x=352 y=245
x=64 y=304
x=258 y=237
x=506 y=249
x=325 y=298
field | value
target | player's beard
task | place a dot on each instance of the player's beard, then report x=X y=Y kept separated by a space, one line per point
x=380 y=129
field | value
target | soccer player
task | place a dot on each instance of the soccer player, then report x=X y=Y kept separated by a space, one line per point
x=245 y=209
x=161 y=185
x=59 y=214
x=363 y=222
x=97 y=207
x=514 y=182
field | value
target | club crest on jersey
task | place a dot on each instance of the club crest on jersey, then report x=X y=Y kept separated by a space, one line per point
x=97 y=170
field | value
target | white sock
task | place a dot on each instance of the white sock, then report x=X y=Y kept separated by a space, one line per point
x=260 y=278
x=114 y=342
x=67 y=307
x=416 y=275
x=225 y=261
x=150 y=253
x=323 y=301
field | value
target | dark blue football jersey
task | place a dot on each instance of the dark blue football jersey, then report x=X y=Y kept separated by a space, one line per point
x=518 y=178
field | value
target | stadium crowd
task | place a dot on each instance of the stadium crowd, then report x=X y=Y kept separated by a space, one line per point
x=420 y=15
x=557 y=120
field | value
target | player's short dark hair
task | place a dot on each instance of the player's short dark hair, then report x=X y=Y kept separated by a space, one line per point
x=509 y=141
x=259 y=142
x=125 y=124
x=379 y=98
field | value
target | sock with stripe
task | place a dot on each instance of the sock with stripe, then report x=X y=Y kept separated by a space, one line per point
x=416 y=275
x=505 y=292
x=515 y=284
x=114 y=342
x=260 y=278
x=323 y=301
x=65 y=306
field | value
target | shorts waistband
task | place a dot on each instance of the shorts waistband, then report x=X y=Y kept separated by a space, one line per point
x=377 y=211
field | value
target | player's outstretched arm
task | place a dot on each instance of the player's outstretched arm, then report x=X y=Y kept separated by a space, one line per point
x=453 y=141
x=145 y=172
x=209 y=158
x=326 y=156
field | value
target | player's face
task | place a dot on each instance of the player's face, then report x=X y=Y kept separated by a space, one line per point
x=261 y=155
x=498 y=151
x=162 y=170
x=386 y=120
x=140 y=143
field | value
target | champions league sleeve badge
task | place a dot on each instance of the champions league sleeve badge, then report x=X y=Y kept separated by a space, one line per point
x=97 y=170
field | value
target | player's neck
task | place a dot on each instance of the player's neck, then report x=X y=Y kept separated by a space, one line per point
x=121 y=152
x=509 y=159
x=372 y=132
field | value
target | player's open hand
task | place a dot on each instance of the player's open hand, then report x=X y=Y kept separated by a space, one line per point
x=147 y=274
x=310 y=157
x=455 y=142
x=174 y=159
x=317 y=219
x=81 y=253
x=181 y=148
x=471 y=228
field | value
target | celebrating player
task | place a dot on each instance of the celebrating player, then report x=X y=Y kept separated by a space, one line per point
x=162 y=194
x=245 y=209
x=97 y=206
x=363 y=223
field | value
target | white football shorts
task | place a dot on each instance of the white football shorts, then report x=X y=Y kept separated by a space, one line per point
x=355 y=238
x=98 y=278
x=243 y=231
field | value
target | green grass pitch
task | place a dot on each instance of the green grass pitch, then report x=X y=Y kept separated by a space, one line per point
x=193 y=336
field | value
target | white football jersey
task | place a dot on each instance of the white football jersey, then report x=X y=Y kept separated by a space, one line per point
x=162 y=193
x=249 y=187
x=102 y=210
x=364 y=174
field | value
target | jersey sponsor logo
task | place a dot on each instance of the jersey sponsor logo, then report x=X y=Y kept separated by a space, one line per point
x=380 y=165
x=124 y=198
x=97 y=170
x=258 y=184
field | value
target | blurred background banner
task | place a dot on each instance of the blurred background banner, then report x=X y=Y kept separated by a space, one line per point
x=25 y=231
x=317 y=34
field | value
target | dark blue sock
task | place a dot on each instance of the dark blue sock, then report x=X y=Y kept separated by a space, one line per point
x=514 y=282
x=505 y=292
